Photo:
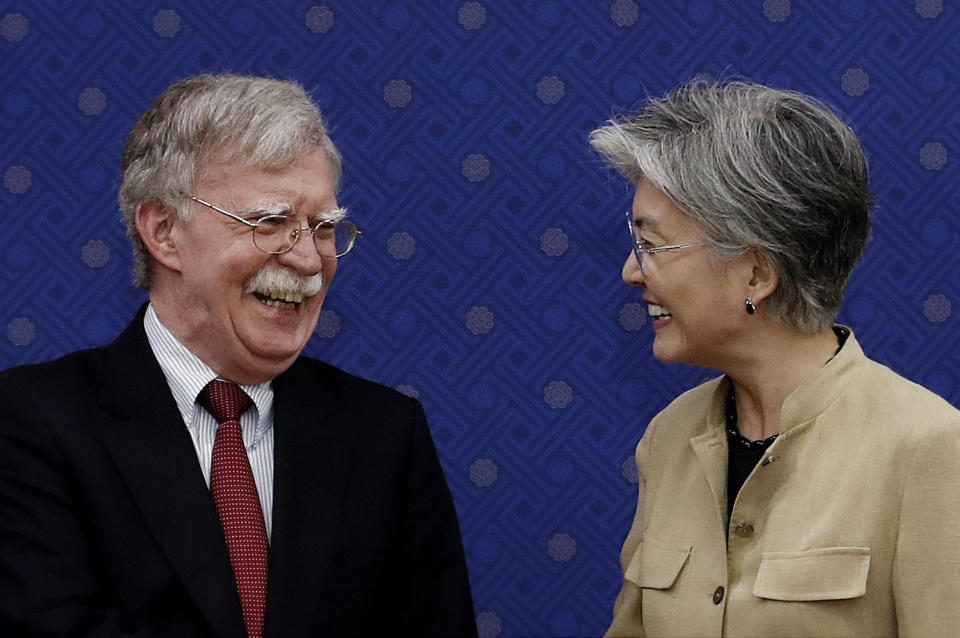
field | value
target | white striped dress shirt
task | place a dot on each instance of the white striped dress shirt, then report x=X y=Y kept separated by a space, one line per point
x=187 y=375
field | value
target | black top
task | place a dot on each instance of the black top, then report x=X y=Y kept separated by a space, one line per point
x=744 y=454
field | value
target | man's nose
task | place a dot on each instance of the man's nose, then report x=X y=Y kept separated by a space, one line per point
x=303 y=256
x=631 y=273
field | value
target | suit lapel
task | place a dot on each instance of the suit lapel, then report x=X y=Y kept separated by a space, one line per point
x=313 y=445
x=155 y=456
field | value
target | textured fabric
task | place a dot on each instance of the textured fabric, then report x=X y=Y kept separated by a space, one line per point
x=187 y=375
x=235 y=497
x=848 y=526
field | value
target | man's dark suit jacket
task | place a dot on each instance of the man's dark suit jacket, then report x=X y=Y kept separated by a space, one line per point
x=108 y=529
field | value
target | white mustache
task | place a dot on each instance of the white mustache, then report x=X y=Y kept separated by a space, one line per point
x=272 y=280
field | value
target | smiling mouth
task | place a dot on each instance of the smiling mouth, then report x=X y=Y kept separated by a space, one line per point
x=283 y=288
x=658 y=312
x=286 y=300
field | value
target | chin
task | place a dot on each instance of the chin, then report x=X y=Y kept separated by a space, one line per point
x=274 y=346
x=273 y=351
x=664 y=353
x=661 y=352
x=662 y=358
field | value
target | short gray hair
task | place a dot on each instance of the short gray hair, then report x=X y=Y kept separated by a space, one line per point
x=757 y=167
x=268 y=122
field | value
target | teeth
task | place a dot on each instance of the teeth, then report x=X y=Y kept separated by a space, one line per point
x=277 y=303
x=657 y=311
x=288 y=296
x=287 y=299
x=291 y=296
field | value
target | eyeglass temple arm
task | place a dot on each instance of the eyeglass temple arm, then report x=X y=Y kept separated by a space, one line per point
x=660 y=249
x=225 y=212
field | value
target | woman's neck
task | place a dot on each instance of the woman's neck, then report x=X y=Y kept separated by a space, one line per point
x=780 y=360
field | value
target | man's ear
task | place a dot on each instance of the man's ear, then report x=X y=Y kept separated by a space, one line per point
x=155 y=223
x=763 y=276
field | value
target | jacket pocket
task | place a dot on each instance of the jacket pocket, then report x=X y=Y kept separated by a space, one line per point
x=830 y=573
x=655 y=565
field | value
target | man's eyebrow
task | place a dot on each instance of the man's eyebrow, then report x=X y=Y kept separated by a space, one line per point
x=333 y=215
x=261 y=209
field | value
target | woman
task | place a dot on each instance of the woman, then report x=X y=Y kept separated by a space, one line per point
x=809 y=491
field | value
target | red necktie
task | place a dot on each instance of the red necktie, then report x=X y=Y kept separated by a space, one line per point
x=237 y=503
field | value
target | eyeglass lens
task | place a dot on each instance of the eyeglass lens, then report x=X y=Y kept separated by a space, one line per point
x=634 y=242
x=278 y=234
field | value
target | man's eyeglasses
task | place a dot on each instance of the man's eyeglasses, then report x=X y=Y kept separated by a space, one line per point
x=276 y=234
x=639 y=251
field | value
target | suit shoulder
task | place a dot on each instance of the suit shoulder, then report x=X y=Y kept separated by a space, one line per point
x=891 y=397
x=685 y=414
x=64 y=373
x=54 y=395
x=350 y=384
x=696 y=400
x=696 y=395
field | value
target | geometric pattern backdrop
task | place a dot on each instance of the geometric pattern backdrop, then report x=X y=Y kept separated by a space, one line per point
x=486 y=281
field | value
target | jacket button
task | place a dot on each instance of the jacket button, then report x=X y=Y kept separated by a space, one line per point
x=718 y=595
x=743 y=530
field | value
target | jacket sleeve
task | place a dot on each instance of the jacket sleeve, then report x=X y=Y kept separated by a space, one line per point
x=438 y=600
x=926 y=568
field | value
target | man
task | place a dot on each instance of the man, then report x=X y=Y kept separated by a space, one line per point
x=329 y=514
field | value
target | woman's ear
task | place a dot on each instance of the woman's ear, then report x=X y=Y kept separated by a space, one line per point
x=155 y=222
x=763 y=279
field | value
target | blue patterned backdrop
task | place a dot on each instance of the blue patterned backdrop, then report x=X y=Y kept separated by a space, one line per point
x=487 y=279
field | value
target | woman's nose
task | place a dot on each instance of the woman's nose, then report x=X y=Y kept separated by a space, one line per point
x=631 y=273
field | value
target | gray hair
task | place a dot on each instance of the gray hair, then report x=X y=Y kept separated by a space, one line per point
x=760 y=168
x=270 y=123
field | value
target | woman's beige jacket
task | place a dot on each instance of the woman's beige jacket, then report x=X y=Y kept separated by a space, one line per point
x=848 y=526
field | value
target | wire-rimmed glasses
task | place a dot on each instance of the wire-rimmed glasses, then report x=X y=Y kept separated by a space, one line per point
x=277 y=234
x=639 y=251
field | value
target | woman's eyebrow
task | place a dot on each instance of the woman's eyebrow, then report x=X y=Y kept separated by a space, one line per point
x=647 y=225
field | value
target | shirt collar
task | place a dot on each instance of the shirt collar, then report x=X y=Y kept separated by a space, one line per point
x=187 y=374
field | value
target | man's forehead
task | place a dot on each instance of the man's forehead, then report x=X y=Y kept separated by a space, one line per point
x=232 y=181
x=233 y=155
x=230 y=163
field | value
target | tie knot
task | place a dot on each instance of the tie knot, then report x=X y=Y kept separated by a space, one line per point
x=225 y=400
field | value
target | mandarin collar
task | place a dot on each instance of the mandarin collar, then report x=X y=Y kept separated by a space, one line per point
x=811 y=398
